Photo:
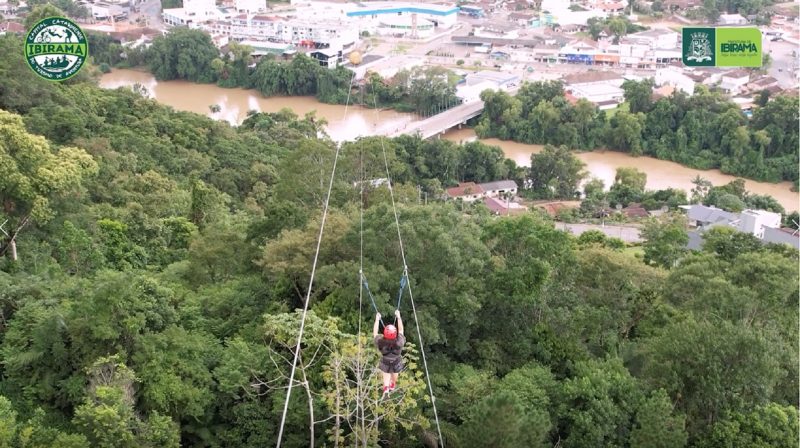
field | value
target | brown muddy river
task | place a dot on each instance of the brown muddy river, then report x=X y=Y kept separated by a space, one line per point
x=343 y=123
x=352 y=122
x=661 y=174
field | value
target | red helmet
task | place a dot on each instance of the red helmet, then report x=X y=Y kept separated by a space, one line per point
x=390 y=332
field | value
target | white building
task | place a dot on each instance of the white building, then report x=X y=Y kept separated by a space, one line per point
x=334 y=33
x=470 y=191
x=405 y=26
x=496 y=30
x=498 y=188
x=605 y=96
x=675 y=77
x=367 y=15
x=250 y=6
x=105 y=11
x=7 y=8
x=754 y=222
x=658 y=38
x=731 y=20
x=475 y=83
x=561 y=14
x=329 y=58
x=193 y=13
x=466 y=191
x=733 y=82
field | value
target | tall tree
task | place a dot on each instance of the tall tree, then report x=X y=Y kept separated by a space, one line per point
x=724 y=367
x=639 y=94
x=183 y=54
x=665 y=240
x=555 y=173
x=34 y=175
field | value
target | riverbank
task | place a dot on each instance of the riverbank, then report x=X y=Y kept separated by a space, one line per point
x=661 y=174
x=349 y=123
x=344 y=122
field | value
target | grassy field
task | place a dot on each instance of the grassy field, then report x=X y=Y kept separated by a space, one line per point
x=634 y=251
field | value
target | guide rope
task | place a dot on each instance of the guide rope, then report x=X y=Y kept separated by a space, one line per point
x=405 y=276
x=311 y=280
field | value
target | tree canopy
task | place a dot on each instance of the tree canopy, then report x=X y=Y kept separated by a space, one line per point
x=153 y=301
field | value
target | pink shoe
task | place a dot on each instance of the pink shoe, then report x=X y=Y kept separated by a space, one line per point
x=391 y=388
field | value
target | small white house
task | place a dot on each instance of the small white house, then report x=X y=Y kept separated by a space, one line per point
x=675 y=77
x=497 y=188
x=733 y=82
x=466 y=191
x=754 y=221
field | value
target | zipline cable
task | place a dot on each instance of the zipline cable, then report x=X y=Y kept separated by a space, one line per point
x=311 y=280
x=360 y=375
x=405 y=275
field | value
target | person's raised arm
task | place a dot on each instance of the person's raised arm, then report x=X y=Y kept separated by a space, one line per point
x=399 y=322
x=377 y=324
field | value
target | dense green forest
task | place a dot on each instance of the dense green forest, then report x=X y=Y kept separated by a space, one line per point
x=161 y=256
x=703 y=131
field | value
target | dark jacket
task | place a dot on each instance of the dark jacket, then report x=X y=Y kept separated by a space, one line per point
x=391 y=349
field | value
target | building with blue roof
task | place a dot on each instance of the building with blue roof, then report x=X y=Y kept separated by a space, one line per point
x=375 y=16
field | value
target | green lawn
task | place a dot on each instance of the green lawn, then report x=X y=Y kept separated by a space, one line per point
x=634 y=251
x=611 y=112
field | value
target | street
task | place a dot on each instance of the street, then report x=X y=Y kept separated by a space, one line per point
x=150 y=11
x=784 y=63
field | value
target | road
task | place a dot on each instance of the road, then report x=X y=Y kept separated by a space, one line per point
x=629 y=234
x=150 y=10
x=784 y=64
x=443 y=121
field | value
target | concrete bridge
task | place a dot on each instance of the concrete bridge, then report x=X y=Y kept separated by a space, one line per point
x=438 y=124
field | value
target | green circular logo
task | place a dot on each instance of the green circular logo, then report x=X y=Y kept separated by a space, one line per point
x=56 y=48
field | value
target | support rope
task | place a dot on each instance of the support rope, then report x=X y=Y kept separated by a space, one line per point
x=405 y=275
x=360 y=375
x=311 y=280
x=365 y=284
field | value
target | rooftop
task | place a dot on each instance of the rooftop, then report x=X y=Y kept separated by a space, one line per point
x=521 y=16
x=654 y=33
x=499 y=185
x=740 y=73
x=463 y=189
x=704 y=214
x=503 y=207
x=372 y=8
x=489 y=76
x=590 y=76
x=501 y=27
x=12 y=27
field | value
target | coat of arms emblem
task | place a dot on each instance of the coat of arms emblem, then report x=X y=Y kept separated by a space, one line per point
x=700 y=48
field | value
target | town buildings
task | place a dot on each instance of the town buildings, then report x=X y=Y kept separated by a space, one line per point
x=764 y=225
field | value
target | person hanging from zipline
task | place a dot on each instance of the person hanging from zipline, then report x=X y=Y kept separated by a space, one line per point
x=390 y=344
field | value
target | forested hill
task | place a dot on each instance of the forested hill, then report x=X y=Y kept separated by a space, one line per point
x=161 y=256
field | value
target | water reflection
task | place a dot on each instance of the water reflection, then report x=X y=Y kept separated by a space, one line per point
x=343 y=123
